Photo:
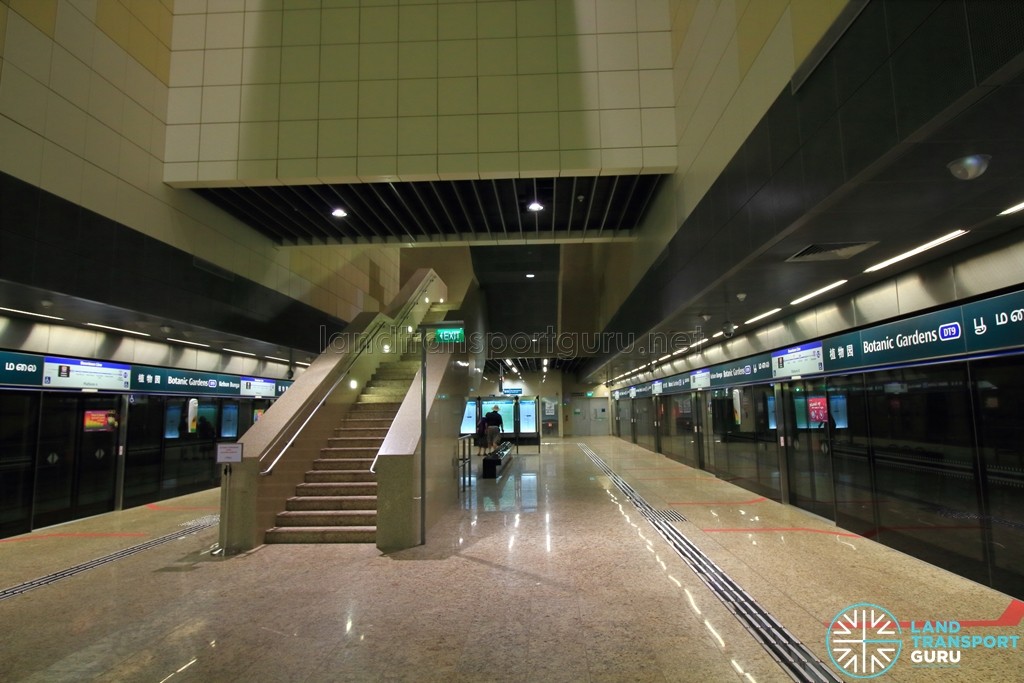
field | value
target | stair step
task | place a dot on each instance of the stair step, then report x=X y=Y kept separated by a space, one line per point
x=375 y=432
x=355 y=441
x=343 y=464
x=331 y=503
x=329 y=452
x=325 y=476
x=375 y=423
x=321 y=534
x=365 y=398
x=349 y=488
x=325 y=518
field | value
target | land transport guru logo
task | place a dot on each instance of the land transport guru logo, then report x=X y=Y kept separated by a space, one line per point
x=865 y=641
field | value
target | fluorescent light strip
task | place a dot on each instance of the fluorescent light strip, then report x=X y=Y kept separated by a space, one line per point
x=1012 y=209
x=913 y=252
x=763 y=315
x=276 y=358
x=816 y=292
x=717 y=334
x=37 y=315
x=305 y=365
x=185 y=341
x=241 y=353
x=117 y=329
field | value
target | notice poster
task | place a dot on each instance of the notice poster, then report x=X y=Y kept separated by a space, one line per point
x=99 y=421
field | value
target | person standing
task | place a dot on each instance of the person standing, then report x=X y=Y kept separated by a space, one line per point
x=494 y=427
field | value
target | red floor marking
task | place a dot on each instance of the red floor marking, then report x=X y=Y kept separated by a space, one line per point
x=724 y=502
x=773 y=529
x=74 y=535
x=1011 y=616
x=154 y=506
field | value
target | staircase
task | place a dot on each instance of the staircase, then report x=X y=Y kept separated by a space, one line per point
x=337 y=503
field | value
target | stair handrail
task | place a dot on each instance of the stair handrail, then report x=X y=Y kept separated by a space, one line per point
x=307 y=410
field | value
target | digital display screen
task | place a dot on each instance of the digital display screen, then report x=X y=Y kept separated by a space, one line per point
x=469 y=418
x=528 y=416
x=229 y=421
x=68 y=373
x=805 y=359
x=253 y=386
x=99 y=421
x=506 y=408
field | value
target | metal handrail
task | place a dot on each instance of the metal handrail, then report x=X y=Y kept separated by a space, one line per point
x=466 y=446
x=398 y=321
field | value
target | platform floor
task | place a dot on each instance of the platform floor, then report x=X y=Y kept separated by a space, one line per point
x=548 y=573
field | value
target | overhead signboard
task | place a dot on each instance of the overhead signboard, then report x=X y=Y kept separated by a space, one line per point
x=450 y=335
x=255 y=386
x=803 y=359
x=72 y=373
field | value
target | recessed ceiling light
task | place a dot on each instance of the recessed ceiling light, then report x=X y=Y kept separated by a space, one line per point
x=913 y=252
x=191 y=343
x=339 y=213
x=763 y=315
x=1012 y=209
x=530 y=275
x=535 y=206
x=117 y=329
x=816 y=292
x=37 y=315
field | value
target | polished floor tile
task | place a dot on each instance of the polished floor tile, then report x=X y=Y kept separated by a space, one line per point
x=548 y=573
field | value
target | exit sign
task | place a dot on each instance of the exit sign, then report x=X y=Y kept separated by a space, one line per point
x=452 y=335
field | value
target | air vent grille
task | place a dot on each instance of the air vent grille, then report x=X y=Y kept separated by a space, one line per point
x=830 y=251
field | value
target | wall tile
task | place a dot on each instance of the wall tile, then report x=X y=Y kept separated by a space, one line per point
x=498 y=165
x=496 y=57
x=300 y=64
x=222 y=67
x=496 y=19
x=617 y=51
x=456 y=134
x=536 y=18
x=75 y=33
x=301 y=170
x=578 y=91
x=339 y=25
x=299 y=101
x=218 y=142
x=182 y=143
x=417 y=97
x=69 y=78
x=224 y=30
x=378 y=24
x=187 y=68
x=653 y=15
x=189 y=32
x=538 y=164
x=260 y=102
x=417 y=60
x=577 y=53
x=538 y=131
x=658 y=127
x=498 y=132
x=378 y=61
x=28 y=48
x=622 y=161
x=537 y=55
x=656 y=88
x=221 y=104
x=456 y=21
x=414 y=168
x=456 y=58
x=619 y=89
x=616 y=16
x=337 y=170
x=498 y=94
x=417 y=22
x=378 y=98
x=655 y=50
x=257 y=140
x=22 y=98
x=259 y=65
x=378 y=137
x=374 y=169
x=580 y=162
x=61 y=172
x=417 y=135
x=138 y=126
x=262 y=29
x=339 y=63
x=576 y=16
x=457 y=95
x=579 y=129
x=538 y=92
x=300 y=27
x=337 y=138
x=297 y=139
x=620 y=128
x=338 y=100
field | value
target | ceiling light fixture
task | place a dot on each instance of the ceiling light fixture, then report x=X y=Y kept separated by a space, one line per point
x=305 y=365
x=241 y=353
x=277 y=359
x=530 y=275
x=37 y=315
x=1012 y=209
x=339 y=213
x=816 y=292
x=763 y=315
x=535 y=206
x=117 y=329
x=913 y=252
x=190 y=343
x=969 y=167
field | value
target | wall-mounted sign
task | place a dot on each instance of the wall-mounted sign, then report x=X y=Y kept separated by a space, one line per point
x=510 y=391
x=450 y=335
x=804 y=359
x=21 y=369
x=254 y=386
x=71 y=373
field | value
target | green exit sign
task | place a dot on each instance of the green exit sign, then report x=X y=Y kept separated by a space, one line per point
x=453 y=335
x=590 y=393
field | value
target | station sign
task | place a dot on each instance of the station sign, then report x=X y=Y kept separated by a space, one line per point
x=21 y=369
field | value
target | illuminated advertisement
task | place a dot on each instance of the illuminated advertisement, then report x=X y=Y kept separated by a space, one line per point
x=99 y=421
x=469 y=418
x=528 y=416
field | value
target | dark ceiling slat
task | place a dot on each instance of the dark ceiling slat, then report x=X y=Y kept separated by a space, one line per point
x=283 y=201
x=572 y=205
x=426 y=208
x=590 y=206
x=387 y=205
x=554 y=204
x=444 y=206
x=652 y=186
x=483 y=210
x=626 y=204
x=519 y=207
x=501 y=209
x=359 y=192
x=349 y=223
x=230 y=200
x=470 y=227
x=608 y=202
x=319 y=215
